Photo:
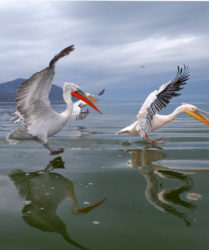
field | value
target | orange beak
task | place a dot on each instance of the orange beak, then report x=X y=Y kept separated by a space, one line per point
x=92 y=99
x=197 y=115
x=80 y=95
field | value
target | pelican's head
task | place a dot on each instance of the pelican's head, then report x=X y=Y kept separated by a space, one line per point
x=69 y=87
x=196 y=113
x=74 y=90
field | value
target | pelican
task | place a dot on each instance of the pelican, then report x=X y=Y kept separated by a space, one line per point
x=148 y=120
x=43 y=192
x=167 y=200
x=78 y=112
x=34 y=111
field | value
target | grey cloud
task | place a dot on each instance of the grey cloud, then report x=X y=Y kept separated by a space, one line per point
x=112 y=40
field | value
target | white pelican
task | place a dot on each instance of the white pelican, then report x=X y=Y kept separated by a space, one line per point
x=34 y=111
x=78 y=112
x=148 y=120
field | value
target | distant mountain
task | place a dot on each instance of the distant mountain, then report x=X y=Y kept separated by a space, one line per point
x=8 y=91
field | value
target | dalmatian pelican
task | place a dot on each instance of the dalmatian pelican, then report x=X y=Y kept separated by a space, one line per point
x=148 y=120
x=34 y=111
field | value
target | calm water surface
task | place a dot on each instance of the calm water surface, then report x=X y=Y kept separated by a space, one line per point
x=106 y=191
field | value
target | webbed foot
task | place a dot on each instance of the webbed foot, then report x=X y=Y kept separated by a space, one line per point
x=153 y=140
x=159 y=140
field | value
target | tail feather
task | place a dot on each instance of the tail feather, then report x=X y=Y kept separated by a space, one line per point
x=19 y=134
x=122 y=131
x=131 y=129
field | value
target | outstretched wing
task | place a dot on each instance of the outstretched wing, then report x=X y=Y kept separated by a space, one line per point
x=78 y=112
x=32 y=97
x=80 y=116
x=159 y=98
x=101 y=92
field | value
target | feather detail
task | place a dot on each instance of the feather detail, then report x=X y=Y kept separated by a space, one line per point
x=63 y=53
x=80 y=116
x=159 y=98
x=101 y=92
x=32 y=99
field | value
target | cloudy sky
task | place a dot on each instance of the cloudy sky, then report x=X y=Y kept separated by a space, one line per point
x=112 y=40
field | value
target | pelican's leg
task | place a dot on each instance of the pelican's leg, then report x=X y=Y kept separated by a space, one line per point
x=52 y=151
x=153 y=140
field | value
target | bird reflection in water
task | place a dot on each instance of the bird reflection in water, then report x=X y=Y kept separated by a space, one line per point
x=42 y=192
x=80 y=131
x=165 y=200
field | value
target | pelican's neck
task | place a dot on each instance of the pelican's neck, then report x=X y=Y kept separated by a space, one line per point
x=176 y=112
x=67 y=113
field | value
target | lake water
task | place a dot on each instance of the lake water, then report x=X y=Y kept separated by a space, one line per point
x=106 y=191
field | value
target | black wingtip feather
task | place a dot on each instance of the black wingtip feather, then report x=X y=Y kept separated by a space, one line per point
x=101 y=92
x=163 y=98
x=182 y=75
x=62 y=53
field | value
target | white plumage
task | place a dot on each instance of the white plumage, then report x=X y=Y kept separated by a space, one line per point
x=78 y=112
x=34 y=111
x=147 y=118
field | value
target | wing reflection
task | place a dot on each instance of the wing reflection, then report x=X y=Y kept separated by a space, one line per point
x=42 y=192
x=164 y=199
